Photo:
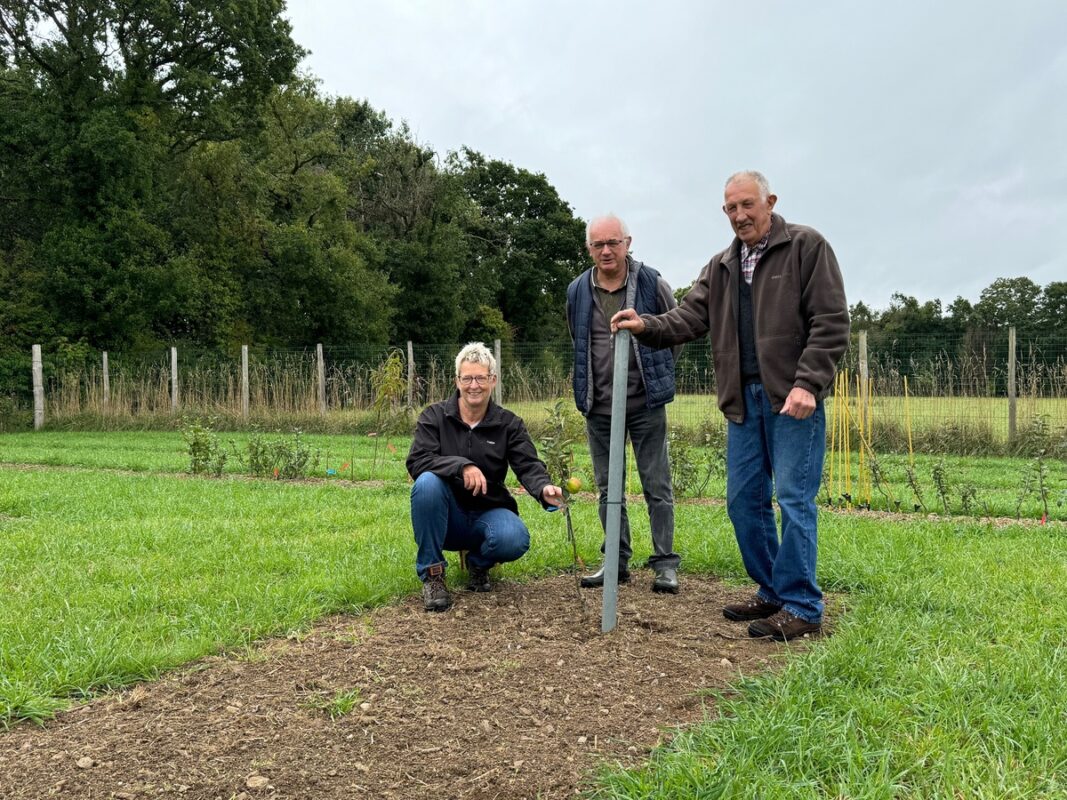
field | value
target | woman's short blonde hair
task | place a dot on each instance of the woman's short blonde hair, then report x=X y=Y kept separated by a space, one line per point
x=476 y=353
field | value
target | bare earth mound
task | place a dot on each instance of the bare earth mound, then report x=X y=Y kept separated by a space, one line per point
x=509 y=694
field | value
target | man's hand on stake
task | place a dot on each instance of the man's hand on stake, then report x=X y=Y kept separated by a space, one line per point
x=627 y=320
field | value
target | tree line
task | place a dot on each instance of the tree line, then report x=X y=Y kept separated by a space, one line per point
x=168 y=176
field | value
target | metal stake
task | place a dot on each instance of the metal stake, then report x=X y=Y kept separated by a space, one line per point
x=616 y=464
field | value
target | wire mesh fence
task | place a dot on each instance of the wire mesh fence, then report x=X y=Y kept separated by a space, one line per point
x=961 y=394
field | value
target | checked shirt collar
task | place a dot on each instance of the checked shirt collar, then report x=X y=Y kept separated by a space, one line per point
x=750 y=256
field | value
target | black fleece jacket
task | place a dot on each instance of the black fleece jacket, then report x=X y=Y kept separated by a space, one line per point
x=444 y=444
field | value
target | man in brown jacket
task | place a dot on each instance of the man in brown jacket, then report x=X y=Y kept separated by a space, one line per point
x=773 y=303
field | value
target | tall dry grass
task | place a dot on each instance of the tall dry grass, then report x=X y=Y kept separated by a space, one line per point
x=957 y=403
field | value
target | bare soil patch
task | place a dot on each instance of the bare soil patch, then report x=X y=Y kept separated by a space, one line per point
x=511 y=694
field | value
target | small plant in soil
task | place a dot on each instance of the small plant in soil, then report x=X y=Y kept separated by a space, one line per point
x=916 y=488
x=557 y=450
x=942 y=483
x=389 y=386
x=968 y=497
x=337 y=706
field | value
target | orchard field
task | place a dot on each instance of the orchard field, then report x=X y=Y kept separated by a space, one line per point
x=942 y=676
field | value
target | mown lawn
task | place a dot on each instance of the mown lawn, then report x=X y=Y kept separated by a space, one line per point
x=943 y=677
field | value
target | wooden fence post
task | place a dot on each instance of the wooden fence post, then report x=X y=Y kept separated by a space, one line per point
x=1011 y=385
x=174 y=379
x=38 y=388
x=107 y=383
x=320 y=367
x=498 y=392
x=411 y=375
x=244 y=381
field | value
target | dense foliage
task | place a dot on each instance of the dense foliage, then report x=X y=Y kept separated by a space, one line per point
x=168 y=177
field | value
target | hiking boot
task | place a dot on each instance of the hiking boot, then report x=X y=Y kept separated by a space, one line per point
x=596 y=580
x=666 y=580
x=754 y=608
x=782 y=627
x=478 y=579
x=435 y=595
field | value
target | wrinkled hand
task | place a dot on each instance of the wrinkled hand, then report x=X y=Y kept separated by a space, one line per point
x=553 y=495
x=627 y=320
x=800 y=404
x=474 y=480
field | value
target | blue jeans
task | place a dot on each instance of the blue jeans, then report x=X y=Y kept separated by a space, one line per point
x=491 y=537
x=769 y=454
x=648 y=435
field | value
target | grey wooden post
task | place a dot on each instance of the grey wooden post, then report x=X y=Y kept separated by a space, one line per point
x=1011 y=385
x=320 y=367
x=411 y=375
x=107 y=382
x=174 y=379
x=498 y=392
x=38 y=387
x=616 y=464
x=244 y=381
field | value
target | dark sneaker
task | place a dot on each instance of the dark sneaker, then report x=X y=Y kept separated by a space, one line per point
x=435 y=595
x=596 y=580
x=666 y=580
x=478 y=579
x=754 y=608
x=782 y=627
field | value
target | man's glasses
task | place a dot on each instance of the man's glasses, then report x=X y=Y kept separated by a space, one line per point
x=612 y=243
x=480 y=380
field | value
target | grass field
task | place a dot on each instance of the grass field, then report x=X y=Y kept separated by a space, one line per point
x=997 y=482
x=943 y=677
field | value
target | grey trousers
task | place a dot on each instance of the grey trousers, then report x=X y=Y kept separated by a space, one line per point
x=647 y=431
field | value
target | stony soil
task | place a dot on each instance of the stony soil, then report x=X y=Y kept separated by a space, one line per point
x=511 y=694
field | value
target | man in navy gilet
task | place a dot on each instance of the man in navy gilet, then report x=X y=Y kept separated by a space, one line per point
x=616 y=281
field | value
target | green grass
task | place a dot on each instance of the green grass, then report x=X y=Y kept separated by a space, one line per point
x=107 y=577
x=165 y=451
x=997 y=481
x=943 y=677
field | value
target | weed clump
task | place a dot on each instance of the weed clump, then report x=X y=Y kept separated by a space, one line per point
x=206 y=454
x=284 y=459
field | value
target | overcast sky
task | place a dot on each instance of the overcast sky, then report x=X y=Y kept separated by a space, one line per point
x=926 y=140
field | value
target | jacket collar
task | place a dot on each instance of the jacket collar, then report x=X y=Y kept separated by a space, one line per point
x=778 y=234
x=633 y=266
x=452 y=409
